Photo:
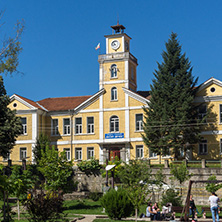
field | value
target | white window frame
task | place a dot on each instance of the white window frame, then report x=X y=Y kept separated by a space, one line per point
x=113 y=71
x=203 y=145
x=66 y=128
x=68 y=153
x=139 y=122
x=78 y=153
x=139 y=151
x=24 y=125
x=114 y=94
x=22 y=153
x=54 y=127
x=78 y=126
x=90 y=153
x=220 y=112
x=114 y=124
x=90 y=126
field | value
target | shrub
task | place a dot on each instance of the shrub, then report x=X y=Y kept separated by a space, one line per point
x=171 y=196
x=90 y=167
x=117 y=204
x=95 y=196
x=45 y=207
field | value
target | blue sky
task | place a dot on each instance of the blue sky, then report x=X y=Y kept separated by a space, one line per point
x=59 y=57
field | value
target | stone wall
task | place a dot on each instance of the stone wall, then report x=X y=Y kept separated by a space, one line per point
x=95 y=183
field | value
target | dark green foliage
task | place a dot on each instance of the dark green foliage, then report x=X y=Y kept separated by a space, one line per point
x=213 y=187
x=171 y=196
x=117 y=204
x=45 y=206
x=171 y=119
x=41 y=144
x=95 y=196
x=10 y=124
x=90 y=167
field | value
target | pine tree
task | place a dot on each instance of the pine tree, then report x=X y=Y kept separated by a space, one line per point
x=171 y=119
x=10 y=125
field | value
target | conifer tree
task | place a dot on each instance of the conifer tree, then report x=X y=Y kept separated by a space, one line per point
x=10 y=125
x=171 y=119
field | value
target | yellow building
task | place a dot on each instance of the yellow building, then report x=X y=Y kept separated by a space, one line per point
x=108 y=123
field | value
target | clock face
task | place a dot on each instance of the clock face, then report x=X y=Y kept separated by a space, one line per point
x=115 y=44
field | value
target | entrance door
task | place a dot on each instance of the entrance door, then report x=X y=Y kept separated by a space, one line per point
x=113 y=153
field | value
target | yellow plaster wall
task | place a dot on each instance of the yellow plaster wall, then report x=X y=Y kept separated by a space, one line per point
x=207 y=92
x=120 y=102
x=106 y=120
x=133 y=102
x=84 y=135
x=213 y=145
x=29 y=128
x=120 y=71
x=120 y=49
x=15 y=154
x=133 y=150
x=133 y=132
x=94 y=105
x=19 y=106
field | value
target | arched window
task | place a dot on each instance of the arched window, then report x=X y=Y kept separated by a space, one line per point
x=113 y=71
x=114 y=93
x=114 y=124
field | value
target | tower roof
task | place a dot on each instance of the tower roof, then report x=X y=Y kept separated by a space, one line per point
x=118 y=28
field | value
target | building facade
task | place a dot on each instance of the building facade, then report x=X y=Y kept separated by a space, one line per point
x=109 y=123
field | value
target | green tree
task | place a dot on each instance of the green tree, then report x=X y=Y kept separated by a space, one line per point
x=20 y=182
x=171 y=119
x=180 y=173
x=55 y=168
x=136 y=178
x=213 y=187
x=10 y=50
x=10 y=124
x=41 y=143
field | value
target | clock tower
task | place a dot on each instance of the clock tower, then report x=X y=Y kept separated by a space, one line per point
x=118 y=65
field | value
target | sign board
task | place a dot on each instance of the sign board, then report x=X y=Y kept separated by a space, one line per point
x=114 y=135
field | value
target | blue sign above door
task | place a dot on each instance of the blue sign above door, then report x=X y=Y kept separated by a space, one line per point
x=114 y=135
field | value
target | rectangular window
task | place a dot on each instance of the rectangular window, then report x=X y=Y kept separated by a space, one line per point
x=90 y=124
x=139 y=151
x=68 y=153
x=203 y=147
x=66 y=126
x=220 y=113
x=90 y=153
x=78 y=153
x=24 y=125
x=55 y=127
x=139 y=122
x=23 y=153
x=78 y=125
x=202 y=112
x=152 y=154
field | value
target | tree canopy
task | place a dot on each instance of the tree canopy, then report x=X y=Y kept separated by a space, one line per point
x=171 y=119
x=10 y=124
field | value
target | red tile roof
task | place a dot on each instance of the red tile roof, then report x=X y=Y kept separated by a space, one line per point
x=30 y=102
x=62 y=103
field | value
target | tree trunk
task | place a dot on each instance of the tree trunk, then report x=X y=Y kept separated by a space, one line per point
x=18 y=209
x=136 y=211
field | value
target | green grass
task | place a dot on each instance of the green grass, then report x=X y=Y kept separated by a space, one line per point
x=109 y=220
